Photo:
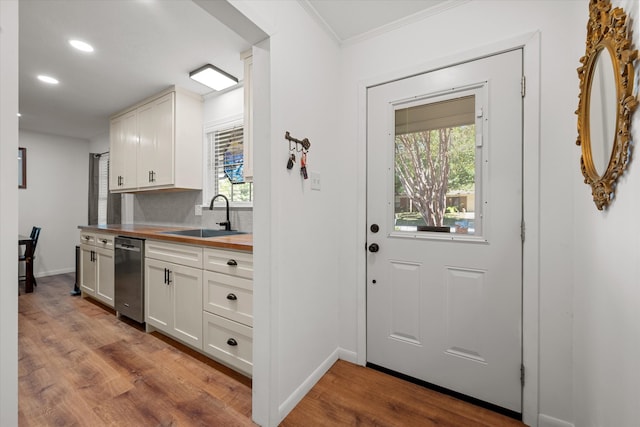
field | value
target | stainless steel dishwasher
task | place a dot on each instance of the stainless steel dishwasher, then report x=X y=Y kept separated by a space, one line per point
x=129 y=277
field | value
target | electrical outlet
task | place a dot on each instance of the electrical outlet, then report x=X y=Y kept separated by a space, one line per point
x=198 y=210
x=315 y=181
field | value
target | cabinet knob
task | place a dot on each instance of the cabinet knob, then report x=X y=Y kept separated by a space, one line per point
x=232 y=342
x=232 y=297
x=232 y=262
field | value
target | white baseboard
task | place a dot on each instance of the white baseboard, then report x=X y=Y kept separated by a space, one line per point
x=348 y=356
x=547 y=421
x=307 y=385
x=39 y=274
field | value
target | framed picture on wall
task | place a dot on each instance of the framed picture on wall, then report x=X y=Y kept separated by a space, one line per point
x=22 y=167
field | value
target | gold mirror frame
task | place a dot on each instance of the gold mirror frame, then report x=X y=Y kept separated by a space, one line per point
x=607 y=33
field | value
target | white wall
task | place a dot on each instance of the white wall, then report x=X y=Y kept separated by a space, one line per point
x=100 y=143
x=222 y=106
x=8 y=213
x=298 y=293
x=607 y=291
x=55 y=198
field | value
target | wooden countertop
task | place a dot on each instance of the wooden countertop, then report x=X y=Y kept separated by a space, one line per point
x=241 y=242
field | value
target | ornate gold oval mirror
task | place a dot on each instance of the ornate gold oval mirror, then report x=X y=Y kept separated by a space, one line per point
x=606 y=100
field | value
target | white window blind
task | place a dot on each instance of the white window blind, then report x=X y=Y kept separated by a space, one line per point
x=103 y=188
x=226 y=164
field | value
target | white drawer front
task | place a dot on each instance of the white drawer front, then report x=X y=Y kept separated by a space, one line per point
x=228 y=341
x=235 y=263
x=87 y=238
x=190 y=256
x=228 y=296
x=104 y=241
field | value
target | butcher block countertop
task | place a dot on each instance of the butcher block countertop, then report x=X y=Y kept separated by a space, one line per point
x=240 y=242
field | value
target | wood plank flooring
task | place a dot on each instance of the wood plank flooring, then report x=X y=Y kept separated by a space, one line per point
x=350 y=395
x=79 y=365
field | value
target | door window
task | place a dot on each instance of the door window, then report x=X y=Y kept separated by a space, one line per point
x=437 y=169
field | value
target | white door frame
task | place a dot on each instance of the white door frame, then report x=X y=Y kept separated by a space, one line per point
x=530 y=43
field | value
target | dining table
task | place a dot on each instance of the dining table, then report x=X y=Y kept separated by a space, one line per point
x=27 y=242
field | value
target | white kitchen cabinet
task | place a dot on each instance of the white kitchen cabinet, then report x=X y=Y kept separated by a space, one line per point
x=173 y=291
x=156 y=142
x=123 y=152
x=227 y=304
x=97 y=267
x=161 y=141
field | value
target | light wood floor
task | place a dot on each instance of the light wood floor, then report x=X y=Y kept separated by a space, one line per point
x=79 y=365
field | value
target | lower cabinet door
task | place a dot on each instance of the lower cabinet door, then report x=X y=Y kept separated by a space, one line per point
x=87 y=270
x=158 y=295
x=173 y=300
x=104 y=275
x=187 y=304
x=228 y=341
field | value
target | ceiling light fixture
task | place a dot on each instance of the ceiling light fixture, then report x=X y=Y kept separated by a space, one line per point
x=81 y=46
x=213 y=77
x=48 y=79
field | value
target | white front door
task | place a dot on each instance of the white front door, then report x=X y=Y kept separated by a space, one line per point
x=444 y=213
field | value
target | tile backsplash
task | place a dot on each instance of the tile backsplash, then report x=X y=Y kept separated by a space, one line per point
x=177 y=208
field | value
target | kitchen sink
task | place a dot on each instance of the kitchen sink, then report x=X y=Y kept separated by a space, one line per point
x=203 y=232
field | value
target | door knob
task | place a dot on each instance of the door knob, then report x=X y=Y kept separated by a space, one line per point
x=374 y=247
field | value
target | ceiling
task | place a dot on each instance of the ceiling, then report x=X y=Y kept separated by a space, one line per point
x=145 y=46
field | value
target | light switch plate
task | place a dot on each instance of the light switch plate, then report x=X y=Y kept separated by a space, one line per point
x=315 y=181
x=198 y=210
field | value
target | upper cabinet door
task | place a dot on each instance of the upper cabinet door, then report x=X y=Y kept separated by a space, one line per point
x=122 y=161
x=164 y=115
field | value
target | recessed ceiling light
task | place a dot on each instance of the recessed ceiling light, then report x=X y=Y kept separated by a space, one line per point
x=80 y=45
x=48 y=79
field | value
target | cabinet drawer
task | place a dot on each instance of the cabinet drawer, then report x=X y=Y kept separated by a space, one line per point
x=104 y=241
x=228 y=296
x=87 y=238
x=229 y=262
x=228 y=341
x=190 y=256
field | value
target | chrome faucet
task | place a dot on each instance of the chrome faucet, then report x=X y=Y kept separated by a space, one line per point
x=227 y=224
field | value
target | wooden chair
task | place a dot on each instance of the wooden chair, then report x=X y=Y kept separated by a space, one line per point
x=28 y=256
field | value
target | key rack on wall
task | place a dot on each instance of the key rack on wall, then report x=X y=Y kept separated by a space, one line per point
x=305 y=142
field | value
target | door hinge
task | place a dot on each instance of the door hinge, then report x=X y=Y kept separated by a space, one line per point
x=523 y=86
x=522 y=374
x=522 y=230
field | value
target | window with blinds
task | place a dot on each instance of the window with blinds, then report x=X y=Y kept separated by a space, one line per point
x=226 y=164
x=103 y=188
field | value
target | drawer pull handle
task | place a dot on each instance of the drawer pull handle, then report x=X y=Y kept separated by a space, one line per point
x=232 y=297
x=232 y=262
x=232 y=342
x=104 y=241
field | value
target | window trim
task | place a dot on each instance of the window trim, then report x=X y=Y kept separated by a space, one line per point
x=212 y=126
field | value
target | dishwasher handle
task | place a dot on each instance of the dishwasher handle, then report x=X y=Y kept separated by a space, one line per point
x=127 y=247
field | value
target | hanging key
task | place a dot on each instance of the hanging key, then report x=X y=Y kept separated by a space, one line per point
x=292 y=160
x=303 y=166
